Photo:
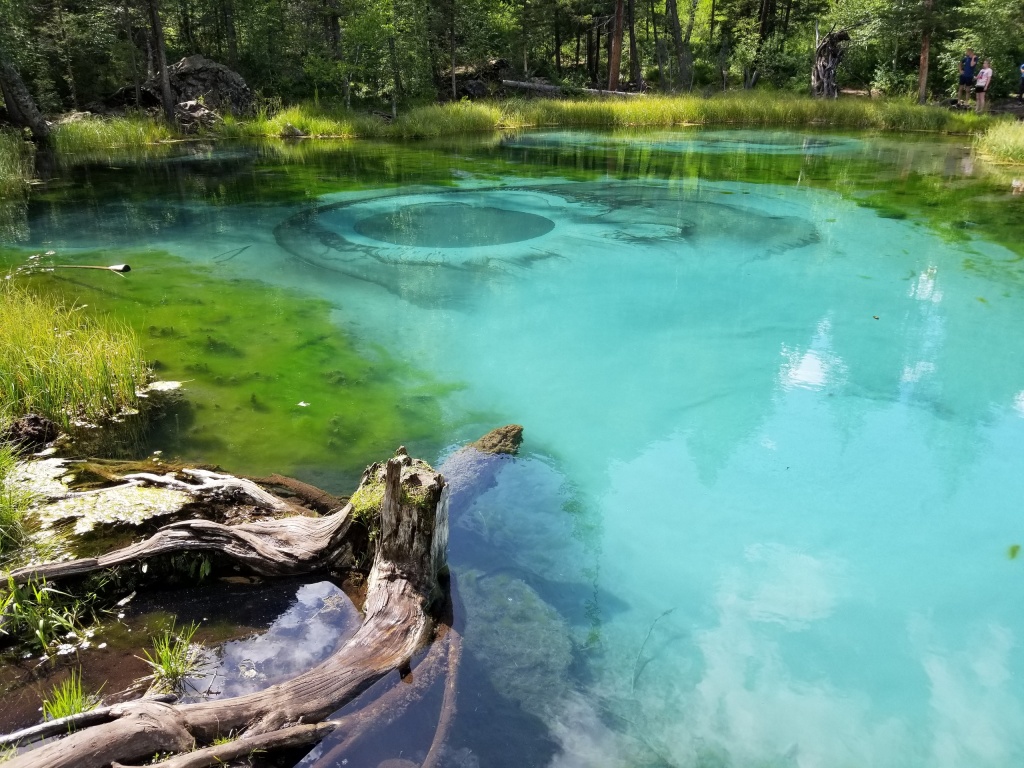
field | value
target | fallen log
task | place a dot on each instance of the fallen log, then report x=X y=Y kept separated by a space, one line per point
x=555 y=90
x=402 y=590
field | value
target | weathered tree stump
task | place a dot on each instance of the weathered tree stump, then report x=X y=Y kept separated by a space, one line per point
x=827 y=56
x=403 y=589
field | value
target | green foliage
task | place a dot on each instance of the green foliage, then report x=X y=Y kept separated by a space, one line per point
x=68 y=698
x=44 y=617
x=62 y=363
x=174 y=659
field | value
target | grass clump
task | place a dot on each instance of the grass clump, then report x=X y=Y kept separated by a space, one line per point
x=15 y=164
x=68 y=698
x=45 y=618
x=175 y=658
x=60 y=363
x=13 y=504
x=1004 y=141
x=308 y=119
x=89 y=134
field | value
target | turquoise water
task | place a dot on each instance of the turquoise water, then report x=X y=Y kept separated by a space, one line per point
x=772 y=471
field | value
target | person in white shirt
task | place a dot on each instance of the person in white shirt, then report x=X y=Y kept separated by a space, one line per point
x=982 y=85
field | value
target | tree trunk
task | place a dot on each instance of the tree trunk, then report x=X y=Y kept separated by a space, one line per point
x=558 y=43
x=185 y=20
x=686 y=61
x=455 y=92
x=635 y=69
x=526 y=41
x=229 y=30
x=402 y=589
x=133 y=54
x=926 y=39
x=166 y=98
x=21 y=107
x=591 y=69
x=672 y=12
x=396 y=77
x=615 y=56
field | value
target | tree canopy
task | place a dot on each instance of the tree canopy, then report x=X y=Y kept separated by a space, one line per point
x=71 y=53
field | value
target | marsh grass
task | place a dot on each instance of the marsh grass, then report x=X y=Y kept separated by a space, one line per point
x=82 y=137
x=57 y=361
x=174 y=659
x=311 y=120
x=13 y=504
x=69 y=698
x=15 y=163
x=1004 y=141
x=758 y=109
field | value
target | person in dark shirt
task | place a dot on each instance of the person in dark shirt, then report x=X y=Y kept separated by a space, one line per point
x=967 y=66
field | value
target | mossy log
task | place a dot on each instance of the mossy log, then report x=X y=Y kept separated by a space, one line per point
x=402 y=591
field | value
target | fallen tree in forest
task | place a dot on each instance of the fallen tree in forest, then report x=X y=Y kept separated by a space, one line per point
x=404 y=609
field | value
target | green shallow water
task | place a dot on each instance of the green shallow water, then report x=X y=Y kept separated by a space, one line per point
x=773 y=391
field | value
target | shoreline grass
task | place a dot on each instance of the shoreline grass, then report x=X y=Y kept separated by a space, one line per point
x=1004 y=142
x=137 y=134
x=16 y=161
x=63 y=364
x=13 y=504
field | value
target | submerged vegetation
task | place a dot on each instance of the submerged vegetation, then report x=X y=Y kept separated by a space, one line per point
x=62 y=363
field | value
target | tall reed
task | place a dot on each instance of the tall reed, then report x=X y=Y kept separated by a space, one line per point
x=58 y=361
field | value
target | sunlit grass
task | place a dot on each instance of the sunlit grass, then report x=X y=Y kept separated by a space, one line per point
x=751 y=109
x=68 y=698
x=309 y=120
x=95 y=133
x=15 y=163
x=1004 y=141
x=59 y=362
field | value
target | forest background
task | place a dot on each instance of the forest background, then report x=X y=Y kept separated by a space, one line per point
x=73 y=53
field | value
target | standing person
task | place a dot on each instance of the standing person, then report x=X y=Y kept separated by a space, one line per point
x=984 y=81
x=1020 y=88
x=967 y=66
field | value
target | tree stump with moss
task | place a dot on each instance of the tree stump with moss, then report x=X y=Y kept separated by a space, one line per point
x=402 y=502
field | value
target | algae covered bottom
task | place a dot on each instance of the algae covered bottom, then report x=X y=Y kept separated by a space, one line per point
x=773 y=390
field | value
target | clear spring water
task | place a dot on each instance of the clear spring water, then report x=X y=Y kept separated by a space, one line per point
x=773 y=392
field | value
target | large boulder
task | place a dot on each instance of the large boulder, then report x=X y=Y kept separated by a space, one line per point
x=194 y=78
